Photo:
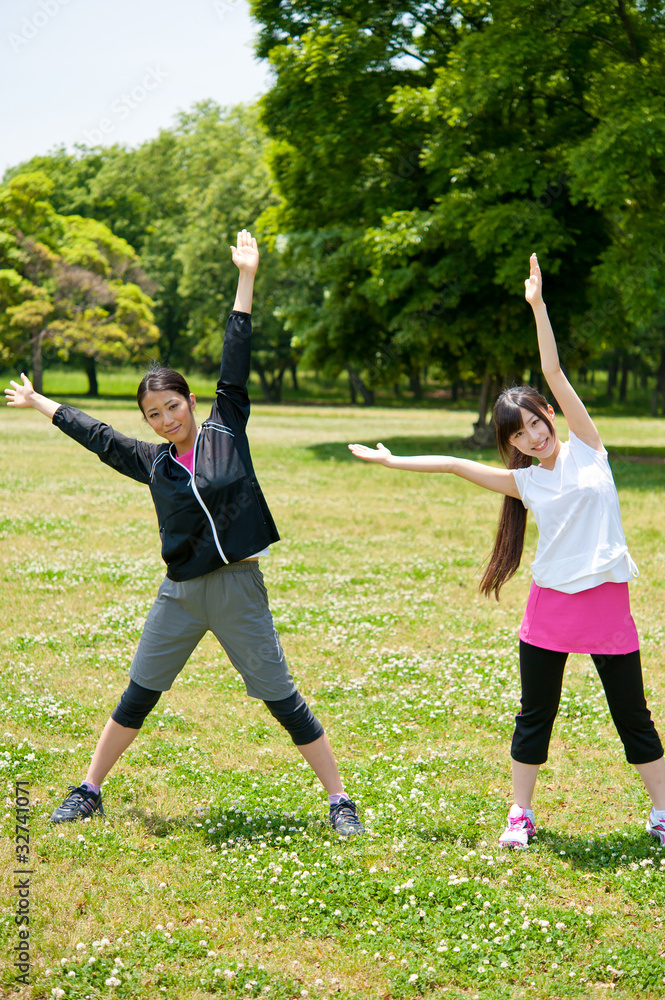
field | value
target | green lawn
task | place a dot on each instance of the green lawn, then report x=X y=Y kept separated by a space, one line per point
x=215 y=873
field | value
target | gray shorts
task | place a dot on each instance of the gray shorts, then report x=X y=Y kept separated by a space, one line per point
x=231 y=602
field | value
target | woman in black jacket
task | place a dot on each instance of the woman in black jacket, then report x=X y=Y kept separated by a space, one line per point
x=214 y=524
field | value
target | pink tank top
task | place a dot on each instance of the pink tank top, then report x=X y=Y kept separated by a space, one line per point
x=187 y=460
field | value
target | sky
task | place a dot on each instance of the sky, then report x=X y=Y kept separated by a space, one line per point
x=98 y=72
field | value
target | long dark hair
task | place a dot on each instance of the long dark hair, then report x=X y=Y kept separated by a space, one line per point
x=509 y=542
x=158 y=379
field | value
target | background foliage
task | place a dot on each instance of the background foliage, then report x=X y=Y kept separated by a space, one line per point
x=405 y=162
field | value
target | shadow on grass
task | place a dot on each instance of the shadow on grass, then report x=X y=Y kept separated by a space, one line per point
x=636 y=454
x=598 y=854
x=338 y=451
x=463 y=834
x=221 y=825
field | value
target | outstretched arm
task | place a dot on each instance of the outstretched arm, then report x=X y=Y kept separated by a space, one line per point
x=126 y=455
x=497 y=480
x=574 y=410
x=24 y=396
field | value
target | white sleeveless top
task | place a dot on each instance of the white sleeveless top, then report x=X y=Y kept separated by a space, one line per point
x=576 y=508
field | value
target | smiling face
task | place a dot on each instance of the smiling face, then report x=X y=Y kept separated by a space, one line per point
x=171 y=416
x=536 y=439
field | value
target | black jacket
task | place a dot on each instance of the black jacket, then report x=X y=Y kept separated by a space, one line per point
x=219 y=514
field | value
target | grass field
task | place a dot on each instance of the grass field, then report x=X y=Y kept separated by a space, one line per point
x=215 y=873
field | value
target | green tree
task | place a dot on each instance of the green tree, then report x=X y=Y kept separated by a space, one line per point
x=180 y=200
x=68 y=284
x=423 y=151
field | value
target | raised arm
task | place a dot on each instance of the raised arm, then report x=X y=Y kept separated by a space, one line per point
x=246 y=258
x=24 y=396
x=234 y=370
x=496 y=480
x=574 y=410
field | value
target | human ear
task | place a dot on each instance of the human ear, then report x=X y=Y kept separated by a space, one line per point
x=192 y=401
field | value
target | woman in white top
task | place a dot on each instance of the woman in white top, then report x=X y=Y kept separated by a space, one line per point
x=579 y=596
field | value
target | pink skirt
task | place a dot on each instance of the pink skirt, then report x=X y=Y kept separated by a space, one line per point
x=593 y=621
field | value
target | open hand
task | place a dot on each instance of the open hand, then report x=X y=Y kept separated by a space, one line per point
x=245 y=253
x=533 y=286
x=379 y=454
x=20 y=395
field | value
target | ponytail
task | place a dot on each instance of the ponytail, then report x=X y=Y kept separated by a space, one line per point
x=509 y=542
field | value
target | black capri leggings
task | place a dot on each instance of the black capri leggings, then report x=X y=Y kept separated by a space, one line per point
x=293 y=712
x=541 y=672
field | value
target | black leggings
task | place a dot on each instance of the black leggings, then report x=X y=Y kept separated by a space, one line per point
x=293 y=712
x=541 y=672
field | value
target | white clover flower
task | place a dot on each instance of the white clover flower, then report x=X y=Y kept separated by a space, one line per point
x=112 y=981
x=229 y=974
x=413 y=977
x=80 y=946
x=57 y=993
x=210 y=954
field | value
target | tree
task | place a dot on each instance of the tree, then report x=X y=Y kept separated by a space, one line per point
x=180 y=200
x=434 y=147
x=69 y=287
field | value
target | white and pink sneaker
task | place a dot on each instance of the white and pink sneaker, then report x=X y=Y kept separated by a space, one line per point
x=519 y=828
x=656 y=826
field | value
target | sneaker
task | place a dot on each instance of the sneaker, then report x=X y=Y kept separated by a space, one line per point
x=519 y=828
x=344 y=818
x=656 y=827
x=79 y=803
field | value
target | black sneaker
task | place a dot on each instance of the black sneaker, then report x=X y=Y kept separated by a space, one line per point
x=79 y=803
x=344 y=818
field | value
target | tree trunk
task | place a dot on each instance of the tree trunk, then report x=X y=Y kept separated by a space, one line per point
x=360 y=387
x=265 y=388
x=292 y=369
x=415 y=385
x=484 y=434
x=271 y=387
x=277 y=385
x=625 y=369
x=659 y=388
x=352 y=389
x=91 y=372
x=533 y=378
x=611 y=378
x=37 y=365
